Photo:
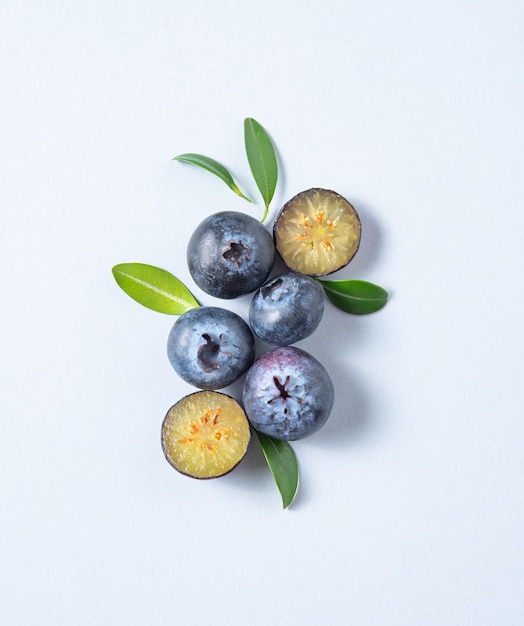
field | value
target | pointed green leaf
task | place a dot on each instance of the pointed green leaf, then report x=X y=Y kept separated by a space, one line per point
x=262 y=160
x=355 y=296
x=283 y=464
x=154 y=288
x=214 y=167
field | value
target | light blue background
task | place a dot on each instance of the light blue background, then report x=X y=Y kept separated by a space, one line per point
x=410 y=508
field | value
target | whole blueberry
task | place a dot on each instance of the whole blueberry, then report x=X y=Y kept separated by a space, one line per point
x=230 y=254
x=287 y=394
x=286 y=309
x=210 y=347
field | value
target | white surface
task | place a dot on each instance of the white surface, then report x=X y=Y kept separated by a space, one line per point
x=410 y=508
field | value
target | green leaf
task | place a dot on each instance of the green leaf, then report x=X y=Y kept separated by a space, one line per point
x=214 y=167
x=355 y=296
x=262 y=160
x=283 y=464
x=154 y=288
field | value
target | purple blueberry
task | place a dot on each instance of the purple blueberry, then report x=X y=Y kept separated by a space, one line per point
x=286 y=309
x=230 y=254
x=287 y=394
x=210 y=347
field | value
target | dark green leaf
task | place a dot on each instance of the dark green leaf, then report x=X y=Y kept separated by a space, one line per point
x=283 y=464
x=214 y=167
x=355 y=296
x=154 y=288
x=262 y=160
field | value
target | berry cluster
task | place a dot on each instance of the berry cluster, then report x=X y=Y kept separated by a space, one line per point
x=287 y=393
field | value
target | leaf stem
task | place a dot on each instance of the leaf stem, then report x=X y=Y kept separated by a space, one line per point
x=239 y=193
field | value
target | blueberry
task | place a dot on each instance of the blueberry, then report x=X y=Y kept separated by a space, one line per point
x=287 y=394
x=210 y=347
x=317 y=232
x=230 y=254
x=286 y=309
x=205 y=435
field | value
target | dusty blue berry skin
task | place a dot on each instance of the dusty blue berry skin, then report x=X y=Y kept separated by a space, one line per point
x=287 y=394
x=286 y=309
x=210 y=347
x=230 y=254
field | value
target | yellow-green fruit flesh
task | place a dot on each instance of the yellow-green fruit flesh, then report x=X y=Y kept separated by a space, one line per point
x=205 y=435
x=317 y=232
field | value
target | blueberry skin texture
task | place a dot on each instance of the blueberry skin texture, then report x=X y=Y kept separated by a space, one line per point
x=230 y=254
x=287 y=394
x=210 y=347
x=286 y=309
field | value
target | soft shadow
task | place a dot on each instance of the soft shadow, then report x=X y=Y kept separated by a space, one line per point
x=371 y=242
x=279 y=267
x=338 y=335
x=351 y=419
x=278 y=199
x=252 y=473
